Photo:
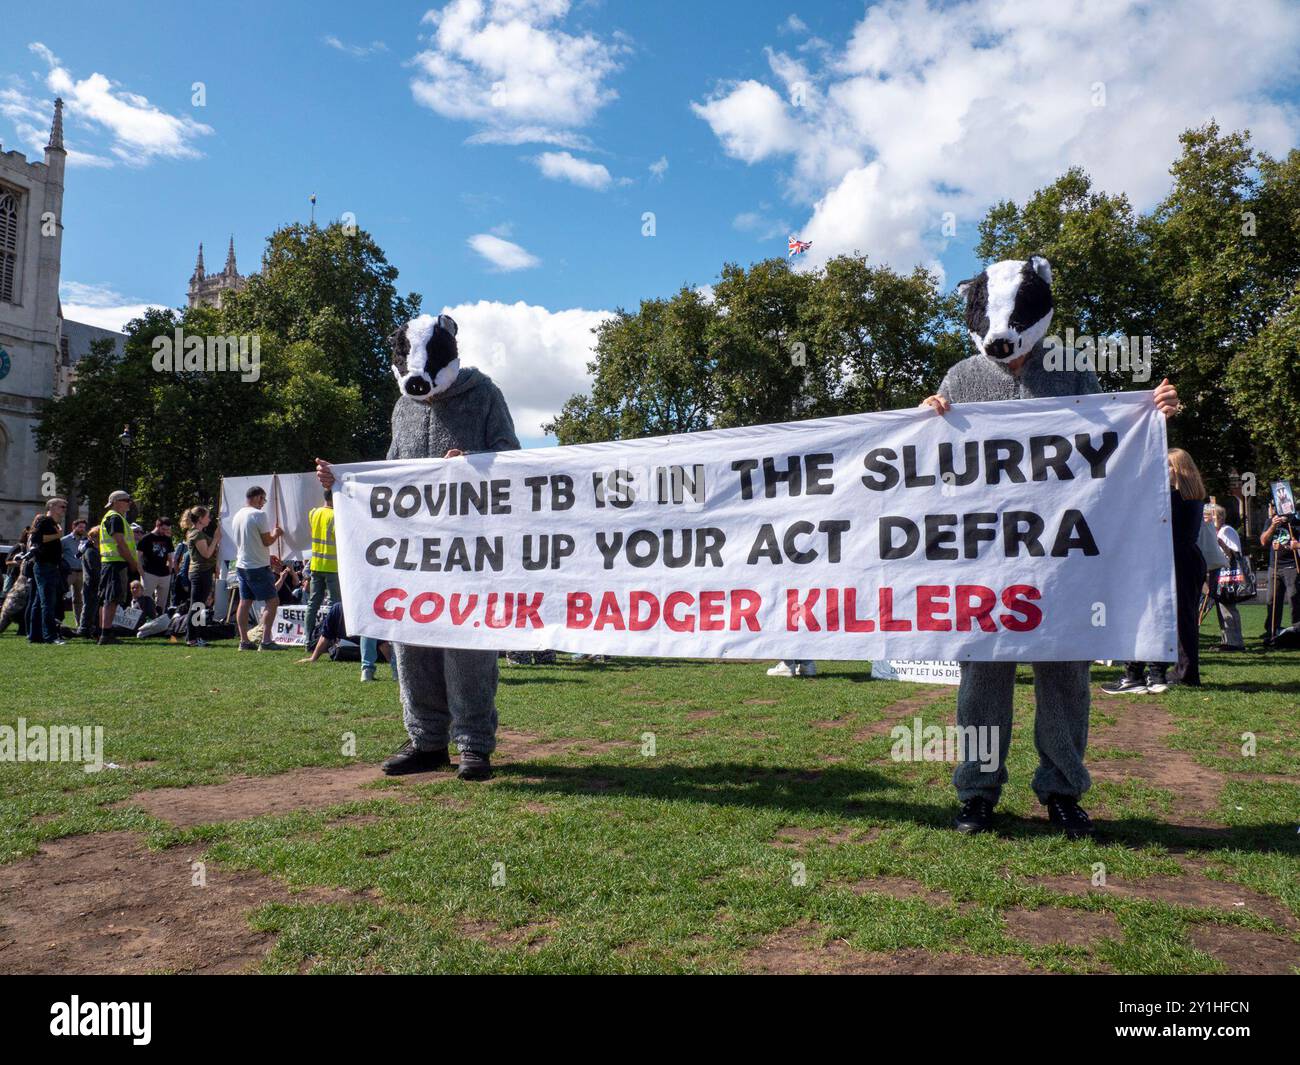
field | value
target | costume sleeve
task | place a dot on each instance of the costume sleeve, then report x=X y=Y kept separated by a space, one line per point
x=945 y=387
x=499 y=431
x=392 y=445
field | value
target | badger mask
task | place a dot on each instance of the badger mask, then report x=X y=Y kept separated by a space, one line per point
x=425 y=357
x=1009 y=307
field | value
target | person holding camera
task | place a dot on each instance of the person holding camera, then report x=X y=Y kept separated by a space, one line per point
x=1280 y=538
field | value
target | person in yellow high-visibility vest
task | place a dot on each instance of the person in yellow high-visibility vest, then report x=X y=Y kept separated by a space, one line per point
x=324 y=562
x=117 y=562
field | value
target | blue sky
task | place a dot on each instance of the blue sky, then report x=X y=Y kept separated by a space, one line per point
x=469 y=138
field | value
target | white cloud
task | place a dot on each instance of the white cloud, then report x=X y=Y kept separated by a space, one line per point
x=561 y=166
x=507 y=66
x=32 y=118
x=659 y=168
x=360 y=51
x=537 y=357
x=139 y=131
x=504 y=255
x=99 y=305
x=761 y=225
x=752 y=122
x=932 y=107
x=793 y=24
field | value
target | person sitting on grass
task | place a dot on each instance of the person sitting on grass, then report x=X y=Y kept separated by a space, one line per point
x=332 y=630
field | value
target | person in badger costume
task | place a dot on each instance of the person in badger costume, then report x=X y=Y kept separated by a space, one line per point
x=444 y=411
x=1008 y=312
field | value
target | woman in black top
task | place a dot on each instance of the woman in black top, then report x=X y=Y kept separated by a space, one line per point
x=1187 y=510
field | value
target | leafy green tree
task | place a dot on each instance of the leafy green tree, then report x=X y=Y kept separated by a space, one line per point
x=332 y=287
x=772 y=345
x=191 y=427
x=652 y=374
x=1264 y=389
x=881 y=340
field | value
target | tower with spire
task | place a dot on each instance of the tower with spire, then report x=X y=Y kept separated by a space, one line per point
x=208 y=290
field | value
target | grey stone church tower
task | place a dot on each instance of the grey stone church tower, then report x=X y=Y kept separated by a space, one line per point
x=207 y=290
x=31 y=238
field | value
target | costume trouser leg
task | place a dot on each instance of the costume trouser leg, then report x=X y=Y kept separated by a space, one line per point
x=984 y=700
x=448 y=695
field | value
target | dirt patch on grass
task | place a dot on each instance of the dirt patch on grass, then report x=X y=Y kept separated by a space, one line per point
x=515 y=746
x=1145 y=728
x=532 y=936
x=890 y=716
x=700 y=715
x=899 y=887
x=1247 y=952
x=246 y=797
x=1049 y=925
x=1193 y=891
x=799 y=949
x=107 y=904
x=761 y=702
x=793 y=837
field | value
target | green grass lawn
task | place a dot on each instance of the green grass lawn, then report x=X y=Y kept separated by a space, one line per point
x=758 y=811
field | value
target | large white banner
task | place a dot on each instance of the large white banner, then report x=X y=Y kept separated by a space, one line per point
x=1032 y=530
x=290 y=498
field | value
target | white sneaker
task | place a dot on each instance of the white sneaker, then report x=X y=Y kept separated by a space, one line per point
x=367 y=675
x=806 y=669
x=781 y=669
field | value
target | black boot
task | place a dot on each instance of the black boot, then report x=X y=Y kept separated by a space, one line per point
x=975 y=816
x=410 y=759
x=1066 y=814
x=474 y=766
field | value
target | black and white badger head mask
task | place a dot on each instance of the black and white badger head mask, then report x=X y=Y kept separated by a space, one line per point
x=425 y=357
x=1009 y=307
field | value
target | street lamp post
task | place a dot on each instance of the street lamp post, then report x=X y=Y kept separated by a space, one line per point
x=125 y=441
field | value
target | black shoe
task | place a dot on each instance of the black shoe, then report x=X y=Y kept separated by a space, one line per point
x=410 y=759
x=1157 y=680
x=1066 y=814
x=474 y=766
x=1125 y=686
x=106 y=641
x=975 y=816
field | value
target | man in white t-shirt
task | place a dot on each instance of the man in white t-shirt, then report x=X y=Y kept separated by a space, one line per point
x=253 y=540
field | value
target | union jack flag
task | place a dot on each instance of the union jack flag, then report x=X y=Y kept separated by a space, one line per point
x=798 y=247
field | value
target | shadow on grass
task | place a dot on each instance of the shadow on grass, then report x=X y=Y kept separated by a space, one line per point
x=855 y=793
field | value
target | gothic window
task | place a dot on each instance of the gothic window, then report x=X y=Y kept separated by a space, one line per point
x=8 y=246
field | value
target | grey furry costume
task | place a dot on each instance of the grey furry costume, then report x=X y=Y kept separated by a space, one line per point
x=451 y=694
x=1061 y=695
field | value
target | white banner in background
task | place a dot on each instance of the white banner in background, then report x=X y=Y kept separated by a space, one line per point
x=917 y=672
x=1032 y=530
x=288 y=627
x=290 y=497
